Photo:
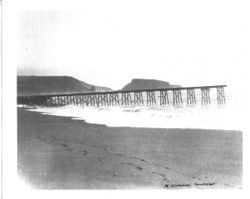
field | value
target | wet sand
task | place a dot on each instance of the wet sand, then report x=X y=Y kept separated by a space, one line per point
x=61 y=153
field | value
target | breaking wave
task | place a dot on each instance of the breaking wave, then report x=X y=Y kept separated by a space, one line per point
x=212 y=116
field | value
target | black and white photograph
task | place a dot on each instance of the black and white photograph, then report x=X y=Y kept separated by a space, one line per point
x=129 y=95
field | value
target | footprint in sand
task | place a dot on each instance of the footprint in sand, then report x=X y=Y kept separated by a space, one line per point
x=63 y=145
x=140 y=159
x=127 y=163
x=119 y=154
x=52 y=140
x=66 y=147
x=139 y=168
x=133 y=165
x=69 y=149
x=160 y=174
x=48 y=141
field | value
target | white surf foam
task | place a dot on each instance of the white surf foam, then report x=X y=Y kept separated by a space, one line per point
x=205 y=117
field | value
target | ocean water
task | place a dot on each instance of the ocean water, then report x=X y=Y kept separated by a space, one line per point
x=212 y=116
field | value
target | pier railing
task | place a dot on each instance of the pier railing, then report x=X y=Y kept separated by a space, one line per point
x=147 y=97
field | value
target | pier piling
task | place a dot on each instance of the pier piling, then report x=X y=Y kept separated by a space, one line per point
x=138 y=98
x=191 y=99
x=128 y=98
x=205 y=96
x=221 y=99
x=177 y=97
x=164 y=100
x=151 y=101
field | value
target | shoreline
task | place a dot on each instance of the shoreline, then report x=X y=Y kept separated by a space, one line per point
x=95 y=156
x=142 y=122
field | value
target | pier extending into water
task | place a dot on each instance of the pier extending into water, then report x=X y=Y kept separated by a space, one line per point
x=148 y=97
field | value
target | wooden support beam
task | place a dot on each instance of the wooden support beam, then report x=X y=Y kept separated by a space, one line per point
x=191 y=99
x=205 y=96
x=126 y=99
x=87 y=100
x=106 y=99
x=151 y=101
x=75 y=100
x=57 y=100
x=78 y=100
x=84 y=100
x=113 y=99
x=97 y=99
x=221 y=99
x=164 y=100
x=102 y=99
x=67 y=100
x=63 y=100
x=48 y=102
x=52 y=101
x=92 y=100
x=177 y=97
x=138 y=98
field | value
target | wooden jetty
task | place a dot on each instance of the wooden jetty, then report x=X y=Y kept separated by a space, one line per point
x=148 y=97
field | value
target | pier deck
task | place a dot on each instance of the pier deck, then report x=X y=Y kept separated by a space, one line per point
x=149 y=97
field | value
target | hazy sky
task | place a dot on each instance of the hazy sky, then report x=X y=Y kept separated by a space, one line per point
x=110 y=42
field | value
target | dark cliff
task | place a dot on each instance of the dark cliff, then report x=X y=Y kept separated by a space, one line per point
x=40 y=85
x=141 y=84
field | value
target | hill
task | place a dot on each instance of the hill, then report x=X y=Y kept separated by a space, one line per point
x=140 y=84
x=38 y=85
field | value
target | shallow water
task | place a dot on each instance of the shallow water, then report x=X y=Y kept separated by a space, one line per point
x=212 y=116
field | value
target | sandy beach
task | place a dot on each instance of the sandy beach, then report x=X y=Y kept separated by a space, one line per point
x=61 y=153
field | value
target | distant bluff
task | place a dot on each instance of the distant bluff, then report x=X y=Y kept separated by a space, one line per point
x=41 y=85
x=140 y=84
